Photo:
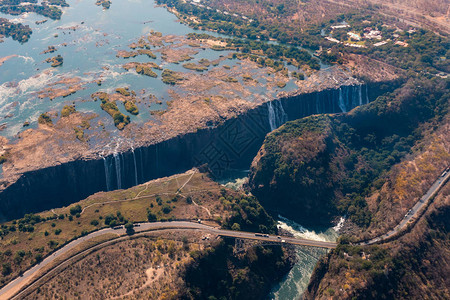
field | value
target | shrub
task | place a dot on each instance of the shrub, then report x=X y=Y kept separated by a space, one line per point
x=38 y=257
x=6 y=269
x=166 y=209
x=67 y=110
x=151 y=216
x=45 y=119
x=75 y=210
x=130 y=228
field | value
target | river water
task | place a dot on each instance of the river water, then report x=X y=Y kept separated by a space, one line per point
x=88 y=38
x=296 y=281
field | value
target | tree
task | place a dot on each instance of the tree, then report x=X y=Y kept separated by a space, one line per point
x=130 y=228
x=6 y=269
x=44 y=118
x=151 y=216
x=236 y=227
x=38 y=257
x=75 y=210
x=166 y=209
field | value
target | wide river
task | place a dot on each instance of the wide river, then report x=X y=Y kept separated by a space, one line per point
x=88 y=38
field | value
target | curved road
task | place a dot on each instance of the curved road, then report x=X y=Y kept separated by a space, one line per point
x=413 y=212
x=32 y=275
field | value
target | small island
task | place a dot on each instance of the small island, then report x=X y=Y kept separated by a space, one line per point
x=56 y=61
x=17 y=31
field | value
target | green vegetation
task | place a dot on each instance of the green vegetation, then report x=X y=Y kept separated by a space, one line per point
x=426 y=51
x=255 y=50
x=145 y=70
x=40 y=234
x=391 y=271
x=17 y=31
x=79 y=133
x=120 y=120
x=51 y=12
x=104 y=3
x=248 y=214
x=75 y=209
x=129 y=228
x=230 y=79
x=56 y=61
x=123 y=91
x=68 y=110
x=298 y=75
x=218 y=274
x=320 y=166
x=146 y=52
x=195 y=67
x=171 y=77
x=61 y=3
x=131 y=107
x=45 y=119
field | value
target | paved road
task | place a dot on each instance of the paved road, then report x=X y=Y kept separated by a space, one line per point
x=441 y=181
x=30 y=275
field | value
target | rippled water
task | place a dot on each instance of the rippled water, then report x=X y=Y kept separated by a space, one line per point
x=90 y=54
x=296 y=281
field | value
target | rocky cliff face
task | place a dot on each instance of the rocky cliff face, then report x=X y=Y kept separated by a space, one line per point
x=231 y=145
x=414 y=267
x=315 y=168
x=291 y=173
x=371 y=164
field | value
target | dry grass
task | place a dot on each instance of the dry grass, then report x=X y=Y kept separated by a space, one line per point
x=131 y=203
x=409 y=180
x=133 y=269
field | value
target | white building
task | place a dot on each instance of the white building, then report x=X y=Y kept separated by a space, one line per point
x=354 y=36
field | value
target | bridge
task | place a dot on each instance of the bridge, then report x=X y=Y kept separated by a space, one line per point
x=55 y=262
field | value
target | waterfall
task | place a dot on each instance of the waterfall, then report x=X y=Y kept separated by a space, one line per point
x=277 y=115
x=360 y=94
x=107 y=174
x=142 y=164
x=283 y=115
x=272 y=123
x=341 y=101
x=317 y=103
x=367 y=95
x=354 y=96
x=157 y=161
x=118 y=172
x=122 y=168
x=135 y=167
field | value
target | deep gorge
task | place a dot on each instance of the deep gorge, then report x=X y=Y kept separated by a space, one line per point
x=231 y=145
